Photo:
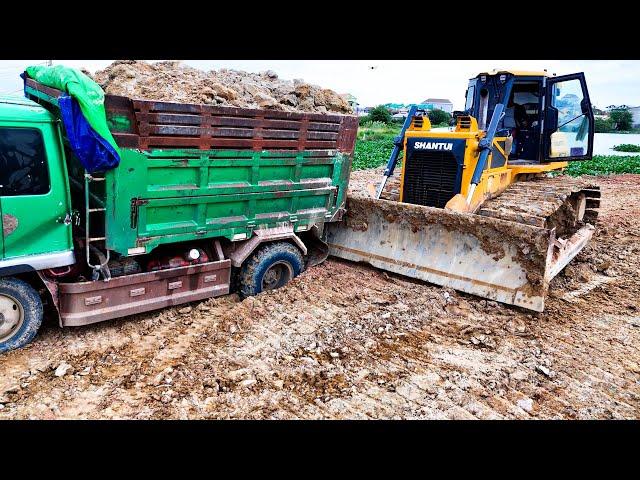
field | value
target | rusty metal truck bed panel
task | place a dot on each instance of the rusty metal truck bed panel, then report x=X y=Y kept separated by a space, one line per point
x=82 y=303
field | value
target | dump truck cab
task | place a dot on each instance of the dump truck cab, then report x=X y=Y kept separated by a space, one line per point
x=34 y=196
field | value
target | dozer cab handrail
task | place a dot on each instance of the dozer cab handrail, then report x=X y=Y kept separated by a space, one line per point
x=485 y=146
x=397 y=147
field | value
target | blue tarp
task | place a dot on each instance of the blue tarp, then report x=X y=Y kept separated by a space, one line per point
x=83 y=115
x=93 y=151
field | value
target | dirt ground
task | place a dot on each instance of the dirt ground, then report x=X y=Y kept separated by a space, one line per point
x=347 y=341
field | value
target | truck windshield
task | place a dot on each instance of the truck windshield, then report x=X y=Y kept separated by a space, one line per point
x=23 y=165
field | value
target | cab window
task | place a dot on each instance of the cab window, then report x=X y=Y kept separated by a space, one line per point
x=469 y=102
x=23 y=163
x=571 y=137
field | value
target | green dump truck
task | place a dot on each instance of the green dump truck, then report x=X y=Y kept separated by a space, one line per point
x=205 y=200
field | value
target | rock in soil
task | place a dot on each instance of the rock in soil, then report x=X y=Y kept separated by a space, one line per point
x=62 y=369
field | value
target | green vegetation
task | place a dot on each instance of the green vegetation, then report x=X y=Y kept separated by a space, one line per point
x=604 y=125
x=380 y=114
x=627 y=147
x=604 y=165
x=437 y=117
x=622 y=118
x=374 y=144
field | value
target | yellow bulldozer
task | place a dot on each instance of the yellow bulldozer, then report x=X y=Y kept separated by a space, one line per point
x=476 y=206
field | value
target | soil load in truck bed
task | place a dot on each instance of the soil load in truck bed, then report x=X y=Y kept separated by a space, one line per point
x=176 y=82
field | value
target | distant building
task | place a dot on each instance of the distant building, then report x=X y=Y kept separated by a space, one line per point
x=439 y=104
x=635 y=111
x=394 y=107
x=362 y=111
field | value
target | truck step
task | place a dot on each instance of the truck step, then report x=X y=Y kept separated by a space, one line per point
x=94 y=179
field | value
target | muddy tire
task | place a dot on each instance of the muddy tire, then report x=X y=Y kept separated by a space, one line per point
x=20 y=313
x=269 y=267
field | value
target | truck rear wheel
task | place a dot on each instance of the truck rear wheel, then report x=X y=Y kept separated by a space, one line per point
x=269 y=267
x=20 y=313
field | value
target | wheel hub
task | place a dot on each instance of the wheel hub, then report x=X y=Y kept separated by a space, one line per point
x=11 y=316
x=276 y=276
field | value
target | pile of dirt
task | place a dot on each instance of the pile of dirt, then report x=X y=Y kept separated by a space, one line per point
x=174 y=82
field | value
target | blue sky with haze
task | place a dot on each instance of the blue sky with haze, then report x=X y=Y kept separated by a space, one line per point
x=400 y=81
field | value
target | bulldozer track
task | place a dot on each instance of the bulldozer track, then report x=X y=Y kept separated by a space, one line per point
x=545 y=202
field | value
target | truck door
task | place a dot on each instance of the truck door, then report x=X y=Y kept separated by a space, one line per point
x=568 y=121
x=33 y=191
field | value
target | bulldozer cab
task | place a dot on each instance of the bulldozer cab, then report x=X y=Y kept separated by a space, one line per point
x=549 y=118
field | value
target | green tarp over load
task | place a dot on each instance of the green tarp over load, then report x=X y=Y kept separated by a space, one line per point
x=83 y=115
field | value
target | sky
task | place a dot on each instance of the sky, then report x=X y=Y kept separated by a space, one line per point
x=373 y=82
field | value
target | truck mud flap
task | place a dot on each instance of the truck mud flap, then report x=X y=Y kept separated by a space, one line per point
x=496 y=259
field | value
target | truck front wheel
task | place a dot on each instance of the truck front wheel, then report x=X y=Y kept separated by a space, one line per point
x=270 y=267
x=20 y=313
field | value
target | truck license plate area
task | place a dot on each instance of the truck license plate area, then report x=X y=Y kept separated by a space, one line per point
x=93 y=300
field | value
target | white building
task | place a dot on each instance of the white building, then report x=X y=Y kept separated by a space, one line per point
x=635 y=111
x=440 y=104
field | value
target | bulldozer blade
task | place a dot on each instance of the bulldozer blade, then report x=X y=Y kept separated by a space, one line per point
x=458 y=204
x=492 y=258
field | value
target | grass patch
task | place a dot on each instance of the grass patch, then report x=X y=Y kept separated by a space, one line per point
x=374 y=144
x=627 y=147
x=605 y=165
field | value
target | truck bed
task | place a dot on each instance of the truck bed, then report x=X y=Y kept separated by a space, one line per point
x=190 y=171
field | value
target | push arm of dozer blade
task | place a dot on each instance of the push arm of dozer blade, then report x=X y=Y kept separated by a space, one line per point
x=485 y=145
x=397 y=146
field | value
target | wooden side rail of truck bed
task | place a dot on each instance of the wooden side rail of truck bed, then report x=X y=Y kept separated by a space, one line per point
x=148 y=124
